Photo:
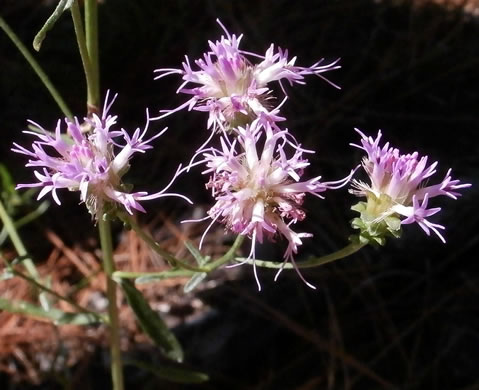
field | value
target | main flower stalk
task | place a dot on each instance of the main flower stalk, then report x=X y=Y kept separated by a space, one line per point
x=104 y=230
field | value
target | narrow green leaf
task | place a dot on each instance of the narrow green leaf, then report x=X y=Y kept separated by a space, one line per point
x=65 y=318
x=56 y=316
x=8 y=185
x=62 y=6
x=173 y=374
x=158 y=276
x=195 y=252
x=151 y=323
x=194 y=281
x=44 y=298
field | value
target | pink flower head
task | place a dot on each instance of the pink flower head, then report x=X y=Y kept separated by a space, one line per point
x=232 y=89
x=399 y=188
x=92 y=163
x=258 y=190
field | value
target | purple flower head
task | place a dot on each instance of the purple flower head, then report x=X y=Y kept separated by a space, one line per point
x=232 y=89
x=91 y=162
x=258 y=189
x=399 y=188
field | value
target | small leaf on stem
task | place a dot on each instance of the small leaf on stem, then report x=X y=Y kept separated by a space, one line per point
x=62 y=6
x=195 y=253
x=194 y=281
x=150 y=321
x=56 y=316
x=173 y=374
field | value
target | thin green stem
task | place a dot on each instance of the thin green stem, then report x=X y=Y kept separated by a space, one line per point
x=17 y=241
x=57 y=316
x=184 y=272
x=312 y=262
x=58 y=296
x=109 y=267
x=37 y=68
x=25 y=219
x=227 y=256
x=85 y=58
x=91 y=32
x=155 y=246
x=177 y=273
x=84 y=282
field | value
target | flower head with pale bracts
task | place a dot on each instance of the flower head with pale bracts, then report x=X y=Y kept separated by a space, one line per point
x=398 y=189
x=258 y=190
x=92 y=163
x=232 y=89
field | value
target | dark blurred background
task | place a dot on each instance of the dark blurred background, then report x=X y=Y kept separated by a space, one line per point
x=403 y=316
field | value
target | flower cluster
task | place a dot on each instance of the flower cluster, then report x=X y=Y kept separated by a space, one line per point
x=89 y=159
x=258 y=191
x=256 y=174
x=398 y=189
x=232 y=89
